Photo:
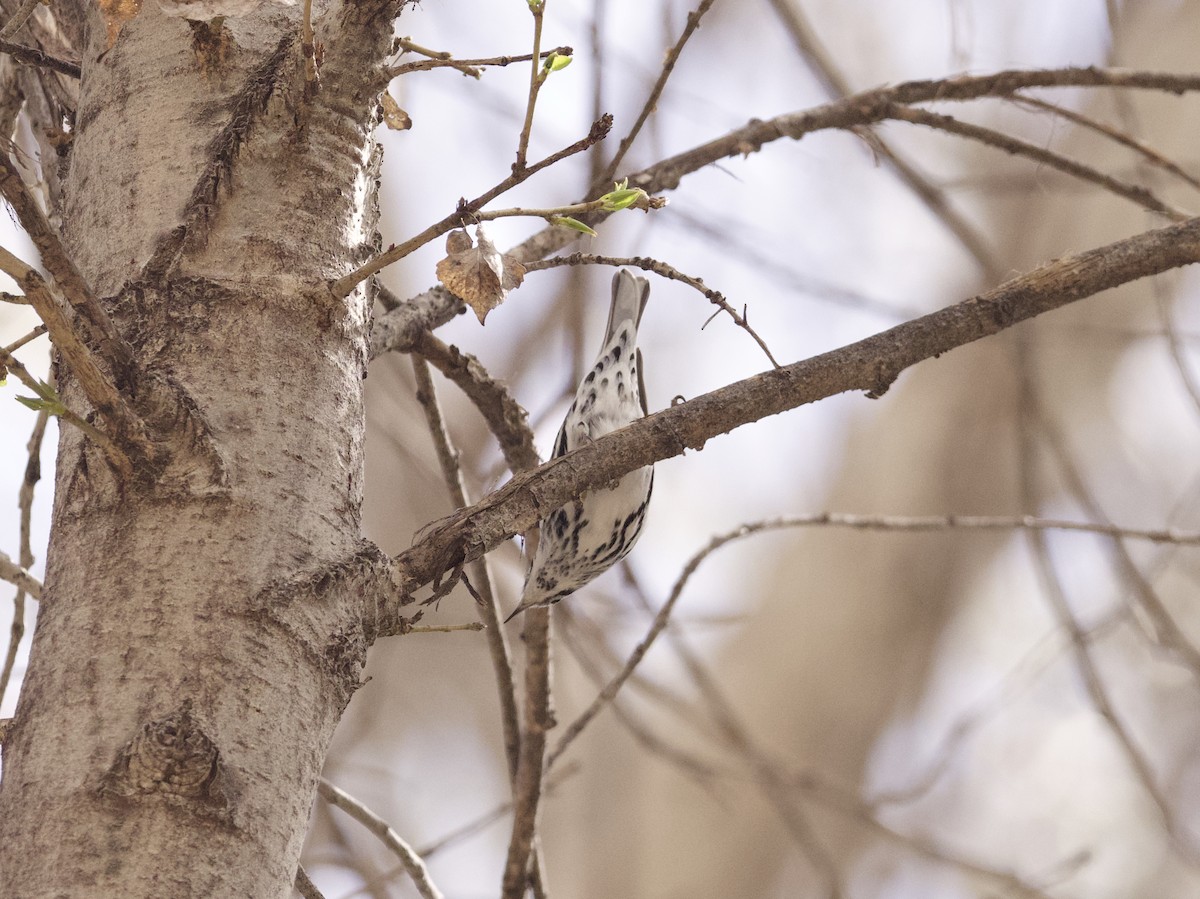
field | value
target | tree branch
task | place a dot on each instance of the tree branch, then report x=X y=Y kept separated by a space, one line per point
x=364 y=816
x=870 y=365
x=32 y=56
x=17 y=576
x=505 y=417
x=865 y=108
x=668 y=66
x=992 y=138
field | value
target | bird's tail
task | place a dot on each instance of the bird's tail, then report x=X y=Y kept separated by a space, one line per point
x=629 y=295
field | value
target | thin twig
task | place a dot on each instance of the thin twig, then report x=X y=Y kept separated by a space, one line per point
x=19 y=577
x=102 y=392
x=847 y=804
x=581 y=641
x=1138 y=194
x=472 y=67
x=1148 y=153
x=410 y=859
x=731 y=728
x=489 y=609
x=1164 y=629
x=858 y=522
x=115 y=455
x=505 y=417
x=447 y=628
x=463 y=832
x=1179 y=355
x=537 y=78
x=837 y=87
x=1032 y=422
x=33 y=474
x=668 y=66
x=31 y=336
x=666 y=271
x=466 y=211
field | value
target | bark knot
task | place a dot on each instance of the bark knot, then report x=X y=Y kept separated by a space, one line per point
x=170 y=756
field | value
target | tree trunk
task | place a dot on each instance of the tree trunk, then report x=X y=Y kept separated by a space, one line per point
x=186 y=675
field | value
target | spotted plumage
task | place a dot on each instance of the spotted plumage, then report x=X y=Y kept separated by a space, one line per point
x=588 y=536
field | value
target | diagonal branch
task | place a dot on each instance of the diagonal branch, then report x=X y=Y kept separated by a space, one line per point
x=435 y=307
x=668 y=66
x=466 y=209
x=836 y=86
x=32 y=56
x=992 y=138
x=16 y=575
x=505 y=417
x=870 y=365
x=115 y=454
x=408 y=857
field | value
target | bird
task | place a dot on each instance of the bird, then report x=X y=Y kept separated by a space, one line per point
x=587 y=536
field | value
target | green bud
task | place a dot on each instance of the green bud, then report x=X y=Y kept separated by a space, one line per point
x=37 y=404
x=622 y=197
x=556 y=62
x=574 y=224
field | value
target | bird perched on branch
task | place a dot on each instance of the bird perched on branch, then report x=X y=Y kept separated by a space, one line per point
x=589 y=535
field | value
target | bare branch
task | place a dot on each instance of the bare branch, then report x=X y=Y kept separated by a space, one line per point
x=849 y=805
x=870 y=365
x=100 y=390
x=21 y=341
x=412 y=862
x=466 y=209
x=505 y=417
x=538 y=719
x=489 y=609
x=466 y=830
x=837 y=87
x=667 y=271
x=112 y=452
x=1148 y=153
x=537 y=78
x=117 y=354
x=441 y=59
x=1060 y=607
x=32 y=56
x=668 y=66
x=18 y=18
x=863 y=108
x=33 y=474
x=13 y=573
x=1138 y=194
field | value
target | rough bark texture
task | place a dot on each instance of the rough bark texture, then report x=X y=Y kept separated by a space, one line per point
x=186 y=675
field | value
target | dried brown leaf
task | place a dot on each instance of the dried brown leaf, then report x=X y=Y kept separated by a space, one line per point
x=393 y=116
x=481 y=276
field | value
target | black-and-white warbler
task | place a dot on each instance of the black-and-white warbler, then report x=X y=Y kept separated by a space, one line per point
x=588 y=536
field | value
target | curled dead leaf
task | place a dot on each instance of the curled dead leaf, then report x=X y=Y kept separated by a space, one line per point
x=480 y=275
x=393 y=116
